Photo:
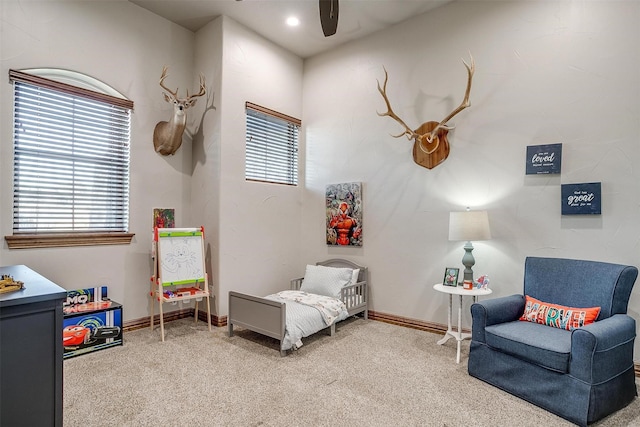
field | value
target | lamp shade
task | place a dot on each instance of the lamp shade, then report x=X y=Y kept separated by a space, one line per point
x=469 y=226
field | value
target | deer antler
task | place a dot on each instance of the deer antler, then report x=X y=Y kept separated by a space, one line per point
x=465 y=103
x=164 y=76
x=202 y=89
x=410 y=134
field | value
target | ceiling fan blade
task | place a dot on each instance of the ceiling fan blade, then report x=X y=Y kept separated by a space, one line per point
x=329 y=16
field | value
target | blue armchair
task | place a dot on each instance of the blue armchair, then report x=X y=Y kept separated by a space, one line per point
x=581 y=375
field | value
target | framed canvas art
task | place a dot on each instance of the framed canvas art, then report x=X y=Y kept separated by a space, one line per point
x=164 y=218
x=344 y=214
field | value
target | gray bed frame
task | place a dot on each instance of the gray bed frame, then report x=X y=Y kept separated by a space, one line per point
x=268 y=317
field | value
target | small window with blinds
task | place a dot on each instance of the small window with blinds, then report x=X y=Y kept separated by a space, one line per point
x=272 y=146
x=71 y=158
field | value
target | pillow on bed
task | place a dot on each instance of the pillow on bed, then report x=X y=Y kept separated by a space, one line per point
x=327 y=281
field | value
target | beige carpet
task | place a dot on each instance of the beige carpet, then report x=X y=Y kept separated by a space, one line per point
x=368 y=374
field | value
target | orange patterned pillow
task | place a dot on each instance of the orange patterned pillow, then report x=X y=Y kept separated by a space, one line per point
x=557 y=316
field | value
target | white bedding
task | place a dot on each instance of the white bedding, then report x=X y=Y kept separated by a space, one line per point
x=306 y=314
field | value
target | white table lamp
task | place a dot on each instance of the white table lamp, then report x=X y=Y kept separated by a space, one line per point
x=469 y=225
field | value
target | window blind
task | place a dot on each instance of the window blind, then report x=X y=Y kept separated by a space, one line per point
x=71 y=161
x=271 y=146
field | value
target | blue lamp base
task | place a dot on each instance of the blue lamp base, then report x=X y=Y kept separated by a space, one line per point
x=468 y=261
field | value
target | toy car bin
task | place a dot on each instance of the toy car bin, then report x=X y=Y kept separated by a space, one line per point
x=91 y=322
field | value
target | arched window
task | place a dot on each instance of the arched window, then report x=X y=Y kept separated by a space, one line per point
x=71 y=160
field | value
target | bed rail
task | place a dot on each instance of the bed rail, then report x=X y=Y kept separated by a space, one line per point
x=296 y=284
x=355 y=298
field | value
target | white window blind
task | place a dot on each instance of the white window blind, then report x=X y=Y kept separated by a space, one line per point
x=271 y=146
x=71 y=158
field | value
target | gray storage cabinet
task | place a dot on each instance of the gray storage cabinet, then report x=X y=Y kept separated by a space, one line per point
x=31 y=351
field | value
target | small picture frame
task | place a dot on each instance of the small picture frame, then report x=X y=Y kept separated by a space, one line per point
x=451 y=276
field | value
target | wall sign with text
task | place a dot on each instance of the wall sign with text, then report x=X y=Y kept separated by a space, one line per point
x=544 y=159
x=582 y=199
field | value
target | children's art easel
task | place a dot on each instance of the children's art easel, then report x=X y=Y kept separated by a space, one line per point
x=179 y=272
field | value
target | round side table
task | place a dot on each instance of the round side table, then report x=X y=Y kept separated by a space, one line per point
x=461 y=292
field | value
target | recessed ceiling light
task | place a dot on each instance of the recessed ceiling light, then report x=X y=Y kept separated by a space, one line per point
x=292 y=21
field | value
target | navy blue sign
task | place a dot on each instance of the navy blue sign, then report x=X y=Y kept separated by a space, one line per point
x=582 y=199
x=544 y=159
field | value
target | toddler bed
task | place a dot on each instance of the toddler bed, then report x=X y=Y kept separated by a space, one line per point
x=331 y=291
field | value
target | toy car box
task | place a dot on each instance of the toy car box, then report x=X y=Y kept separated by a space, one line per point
x=91 y=322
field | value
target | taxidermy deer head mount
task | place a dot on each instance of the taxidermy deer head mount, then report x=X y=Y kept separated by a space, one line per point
x=430 y=147
x=167 y=136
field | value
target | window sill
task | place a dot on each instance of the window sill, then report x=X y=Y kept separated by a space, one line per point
x=26 y=241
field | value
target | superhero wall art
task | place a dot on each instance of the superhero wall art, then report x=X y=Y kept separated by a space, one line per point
x=344 y=214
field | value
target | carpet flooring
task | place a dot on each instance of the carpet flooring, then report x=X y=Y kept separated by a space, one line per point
x=369 y=373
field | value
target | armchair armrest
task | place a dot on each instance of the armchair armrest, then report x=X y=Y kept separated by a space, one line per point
x=493 y=311
x=603 y=349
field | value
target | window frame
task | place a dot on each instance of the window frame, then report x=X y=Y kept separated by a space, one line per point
x=23 y=240
x=280 y=120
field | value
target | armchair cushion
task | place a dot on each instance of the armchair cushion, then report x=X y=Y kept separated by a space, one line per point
x=557 y=316
x=533 y=342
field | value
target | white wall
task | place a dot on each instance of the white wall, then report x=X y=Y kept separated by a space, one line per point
x=546 y=72
x=257 y=246
x=125 y=47
x=252 y=242
x=206 y=154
